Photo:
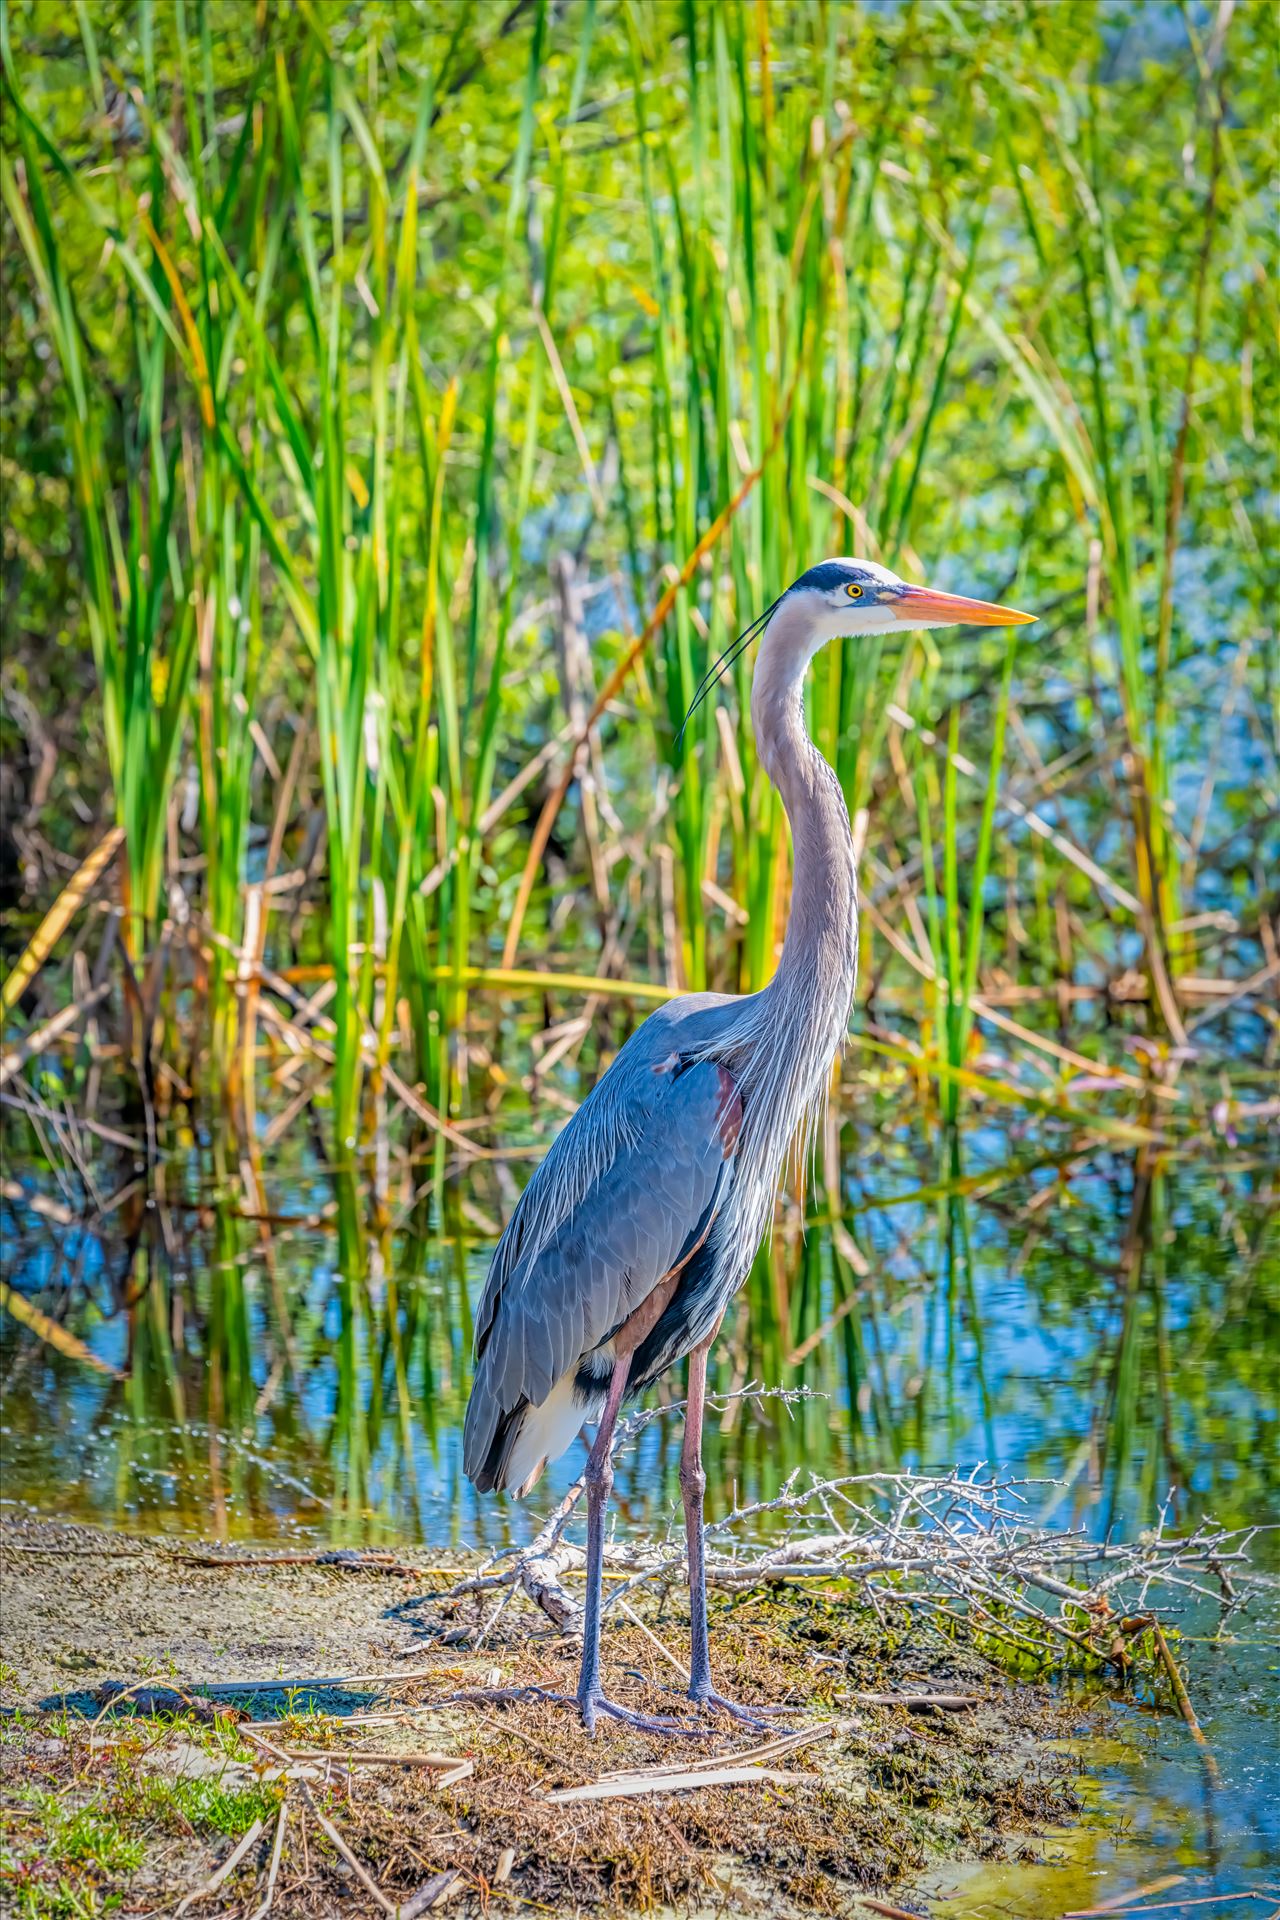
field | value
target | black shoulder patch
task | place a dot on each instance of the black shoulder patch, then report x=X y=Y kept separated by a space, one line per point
x=826 y=577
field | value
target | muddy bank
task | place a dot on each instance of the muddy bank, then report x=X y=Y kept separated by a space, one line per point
x=476 y=1802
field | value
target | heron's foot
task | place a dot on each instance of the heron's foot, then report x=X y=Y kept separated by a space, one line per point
x=591 y=1703
x=761 y=1719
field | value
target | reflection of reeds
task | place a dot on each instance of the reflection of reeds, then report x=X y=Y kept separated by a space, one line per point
x=288 y=1360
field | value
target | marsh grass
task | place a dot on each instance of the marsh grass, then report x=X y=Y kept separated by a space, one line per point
x=134 y=594
x=360 y=327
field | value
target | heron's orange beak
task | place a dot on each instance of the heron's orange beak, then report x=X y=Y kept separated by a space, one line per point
x=918 y=605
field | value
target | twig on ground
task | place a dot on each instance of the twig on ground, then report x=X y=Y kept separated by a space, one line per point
x=922 y=1702
x=771 y=1749
x=449 y=1767
x=661 y=1780
x=228 y=1867
x=331 y=1833
x=273 y=1870
x=440 y=1887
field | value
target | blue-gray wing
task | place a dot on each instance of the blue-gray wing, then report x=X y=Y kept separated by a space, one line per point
x=645 y=1211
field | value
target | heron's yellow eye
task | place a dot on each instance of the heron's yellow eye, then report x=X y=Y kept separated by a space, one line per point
x=853 y=590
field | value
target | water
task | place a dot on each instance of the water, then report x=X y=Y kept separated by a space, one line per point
x=1086 y=1309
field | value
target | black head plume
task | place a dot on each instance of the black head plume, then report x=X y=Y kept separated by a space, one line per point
x=728 y=658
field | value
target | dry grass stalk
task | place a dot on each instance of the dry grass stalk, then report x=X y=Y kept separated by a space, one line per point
x=273 y=1869
x=771 y=1749
x=44 y=1036
x=331 y=1833
x=246 y=1843
x=617 y=679
x=59 y=917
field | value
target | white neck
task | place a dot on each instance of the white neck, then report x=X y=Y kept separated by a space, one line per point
x=820 y=951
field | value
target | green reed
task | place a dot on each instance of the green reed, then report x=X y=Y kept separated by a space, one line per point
x=355 y=321
x=141 y=623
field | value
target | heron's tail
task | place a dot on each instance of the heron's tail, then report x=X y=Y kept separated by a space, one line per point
x=511 y=1455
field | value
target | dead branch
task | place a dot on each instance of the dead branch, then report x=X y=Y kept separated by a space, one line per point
x=963 y=1540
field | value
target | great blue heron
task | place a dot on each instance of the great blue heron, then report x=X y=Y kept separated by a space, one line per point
x=643 y=1220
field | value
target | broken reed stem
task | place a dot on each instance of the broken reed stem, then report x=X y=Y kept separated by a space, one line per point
x=58 y=918
x=260 y=1911
x=1183 y=1699
x=224 y=1872
x=366 y=1879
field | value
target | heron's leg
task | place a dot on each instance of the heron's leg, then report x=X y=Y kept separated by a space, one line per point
x=693 y=1486
x=599 y=1479
x=592 y=1700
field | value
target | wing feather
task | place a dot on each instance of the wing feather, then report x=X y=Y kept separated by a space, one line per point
x=555 y=1295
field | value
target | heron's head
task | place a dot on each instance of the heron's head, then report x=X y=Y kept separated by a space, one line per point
x=842 y=599
x=845 y=598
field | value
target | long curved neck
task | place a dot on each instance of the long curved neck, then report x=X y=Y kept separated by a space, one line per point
x=820 y=952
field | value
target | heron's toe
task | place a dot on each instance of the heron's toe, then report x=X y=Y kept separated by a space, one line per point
x=761 y=1719
x=592 y=1705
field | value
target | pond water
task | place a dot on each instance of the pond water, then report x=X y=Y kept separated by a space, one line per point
x=1083 y=1309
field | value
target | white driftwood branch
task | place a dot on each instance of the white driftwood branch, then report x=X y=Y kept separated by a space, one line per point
x=960 y=1539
